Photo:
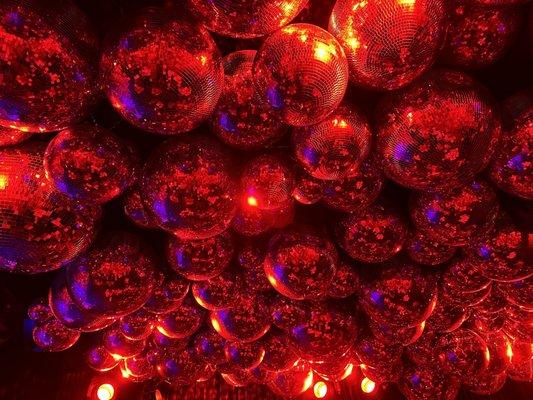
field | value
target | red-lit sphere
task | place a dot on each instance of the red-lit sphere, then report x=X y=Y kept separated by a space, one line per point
x=233 y=376
x=240 y=118
x=463 y=275
x=135 y=210
x=307 y=190
x=247 y=321
x=200 y=259
x=39 y=311
x=10 y=136
x=162 y=74
x=247 y=19
x=167 y=295
x=373 y=235
x=395 y=334
x=427 y=251
x=337 y=368
x=292 y=382
x=511 y=168
x=40 y=229
x=399 y=293
x=302 y=73
x=209 y=346
x=47 y=59
x=504 y=254
x=330 y=331
x=52 y=335
x=463 y=353
x=90 y=164
x=447 y=316
x=300 y=263
x=388 y=43
x=425 y=382
x=335 y=147
x=287 y=314
x=250 y=257
x=521 y=368
x=267 y=183
x=519 y=293
x=438 y=132
x=454 y=218
x=187 y=188
x=278 y=354
x=375 y=353
x=487 y=384
x=182 y=322
x=346 y=280
x=244 y=355
x=222 y=291
x=99 y=359
x=120 y=346
x=180 y=367
x=478 y=35
x=357 y=192
x=137 y=325
x=138 y=366
x=113 y=279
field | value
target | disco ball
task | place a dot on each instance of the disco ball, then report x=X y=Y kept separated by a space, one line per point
x=40 y=229
x=438 y=132
x=302 y=73
x=162 y=74
x=46 y=58
x=388 y=43
x=246 y=19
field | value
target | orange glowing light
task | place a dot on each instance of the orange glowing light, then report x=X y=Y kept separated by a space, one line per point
x=252 y=201
x=308 y=381
x=216 y=325
x=409 y=4
x=3 y=181
x=509 y=351
x=367 y=385
x=320 y=390
x=105 y=391
x=158 y=395
x=347 y=371
x=353 y=42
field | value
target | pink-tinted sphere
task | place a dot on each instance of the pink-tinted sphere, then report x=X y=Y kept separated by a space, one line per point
x=438 y=132
x=511 y=168
x=250 y=257
x=222 y=291
x=447 y=316
x=287 y=314
x=139 y=366
x=244 y=355
x=113 y=279
x=278 y=353
x=454 y=218
x=187 y=187
x=357 y=192
x=10 y=136
x=182 y=322
x=518 y=293
x=292 y=382
x=200 y=259
x=504 y=254
x=135 y=209
x=487 y=384
x=39 y=310
x=246 y=19
x=373 y=235
x=99 y=359
x=302 y=73
x=307 y=190
x=209 y=346
x=137 y=325
x=167 y=295
x=375 y=353
x=90 y=164
x=463 y=275
x=300 y=263
x=53 y=336
x=120 y=346
x=427 y=251
x=335 y=147
x=180 y=367
x=477 y=35
x=40 y=229
x=426 y=382
x=162 y=74
x=521 y=368
x=240 y=118
x=399 y=293
x=388 y=43
x=47 y=63
x=395 y=334
x=346 y=280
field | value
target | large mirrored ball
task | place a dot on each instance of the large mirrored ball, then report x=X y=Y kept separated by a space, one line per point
x=278 y=353
x=90 y=164
x=240 y=118
x=388 y=43
x=10 y=136
x=438 y=132
x=478 y=35
x=246 y=19
x=372 y=235
x=113 y=279
x=399 y=293
x=453 y=218
x=302 y=73
x=53 y=336
x=47 y=63
x=167 y=295
x=40 y=229
x=182 y=322
x=199 y=260
x=162 y=74
x=187 y=188
x=511 y=168
x=300 y=263
x=99 y=359
x=335 y=147
x=120 y=346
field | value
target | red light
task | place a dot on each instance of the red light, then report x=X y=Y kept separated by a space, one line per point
x=105 y=391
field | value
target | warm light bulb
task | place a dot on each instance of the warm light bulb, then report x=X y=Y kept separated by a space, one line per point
x=367 y=385
x=105 y=391
x=320 y=390
x=252 y=201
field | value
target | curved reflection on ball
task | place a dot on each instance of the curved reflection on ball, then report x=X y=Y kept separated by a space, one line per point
x=90 y=164
x=388 y=43
x=426 y=250
x=187 y=188
x=240 y=118
x=246 y=19
x=302 y=73
x=47 y=58
x=10 y=136
x=162 y=74
x=333 y=148
x=438 y=132
x=135 y=210
x=40 y=229
x=99 y=359
x=52 y=335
